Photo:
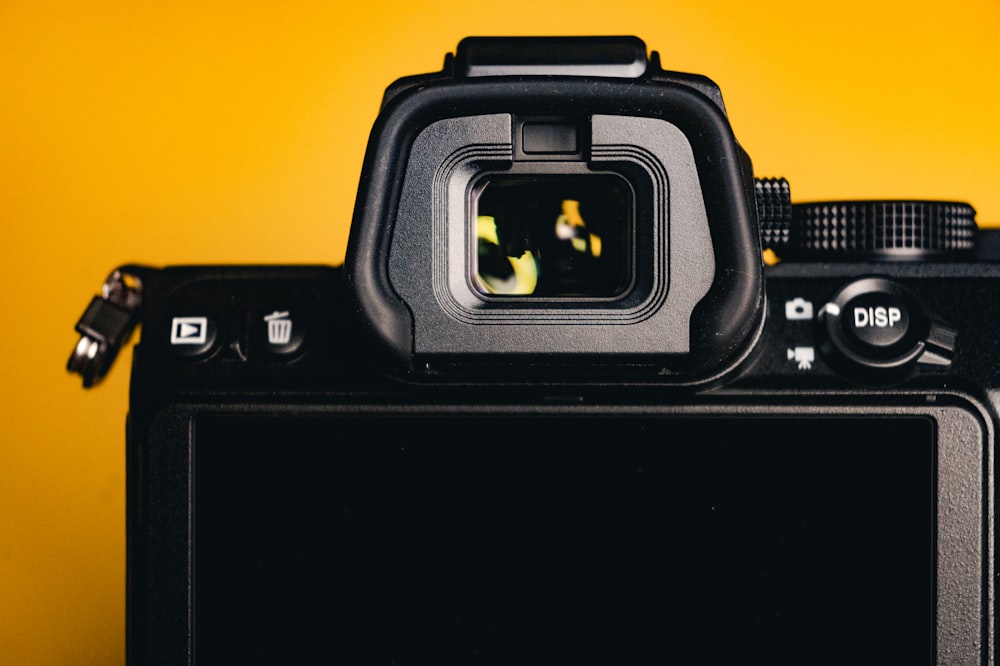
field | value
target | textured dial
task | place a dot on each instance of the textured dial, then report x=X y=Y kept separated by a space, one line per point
x=887 y=230
x=774 y=211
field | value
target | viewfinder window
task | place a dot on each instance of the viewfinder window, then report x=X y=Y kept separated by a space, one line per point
x=565 y=235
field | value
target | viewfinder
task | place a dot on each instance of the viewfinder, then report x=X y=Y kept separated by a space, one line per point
x=554 y=235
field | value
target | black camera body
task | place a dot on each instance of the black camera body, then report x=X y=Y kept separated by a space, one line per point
x=556 y=408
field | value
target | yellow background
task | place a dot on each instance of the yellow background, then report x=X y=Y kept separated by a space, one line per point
x=205 y=132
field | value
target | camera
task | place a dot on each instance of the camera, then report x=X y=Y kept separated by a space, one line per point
x=584 y=391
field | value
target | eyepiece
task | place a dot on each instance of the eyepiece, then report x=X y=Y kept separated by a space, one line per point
x=514 y=214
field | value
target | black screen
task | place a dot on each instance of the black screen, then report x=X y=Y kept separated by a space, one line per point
x=542 y=540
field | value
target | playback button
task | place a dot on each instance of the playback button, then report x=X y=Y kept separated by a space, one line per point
x=192 y=336
x=279 y=332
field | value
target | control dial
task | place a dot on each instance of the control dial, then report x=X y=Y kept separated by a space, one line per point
x=885 y=230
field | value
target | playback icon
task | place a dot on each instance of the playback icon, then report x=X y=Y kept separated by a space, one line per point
x=191 y=336
x=189 y=331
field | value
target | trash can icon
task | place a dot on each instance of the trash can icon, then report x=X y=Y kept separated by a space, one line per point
x=279 y=328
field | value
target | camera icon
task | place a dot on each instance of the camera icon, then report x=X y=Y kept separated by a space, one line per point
x=798 y=309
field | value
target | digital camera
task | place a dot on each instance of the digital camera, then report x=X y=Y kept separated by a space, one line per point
x=584 y=391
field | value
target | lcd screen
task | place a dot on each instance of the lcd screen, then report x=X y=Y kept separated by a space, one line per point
x=542 y=540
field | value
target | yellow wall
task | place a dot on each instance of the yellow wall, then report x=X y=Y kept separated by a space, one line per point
x=233 y=132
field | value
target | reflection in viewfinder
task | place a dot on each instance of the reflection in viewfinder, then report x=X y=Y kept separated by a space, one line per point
x=554 y=235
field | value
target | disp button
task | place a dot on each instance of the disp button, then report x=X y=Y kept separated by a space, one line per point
x=877 y=319
x=878 y=324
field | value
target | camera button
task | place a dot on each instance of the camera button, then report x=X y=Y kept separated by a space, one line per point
x=278 y=332
x=192 y=336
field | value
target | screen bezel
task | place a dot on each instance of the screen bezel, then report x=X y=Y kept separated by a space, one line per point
x=162 y=583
